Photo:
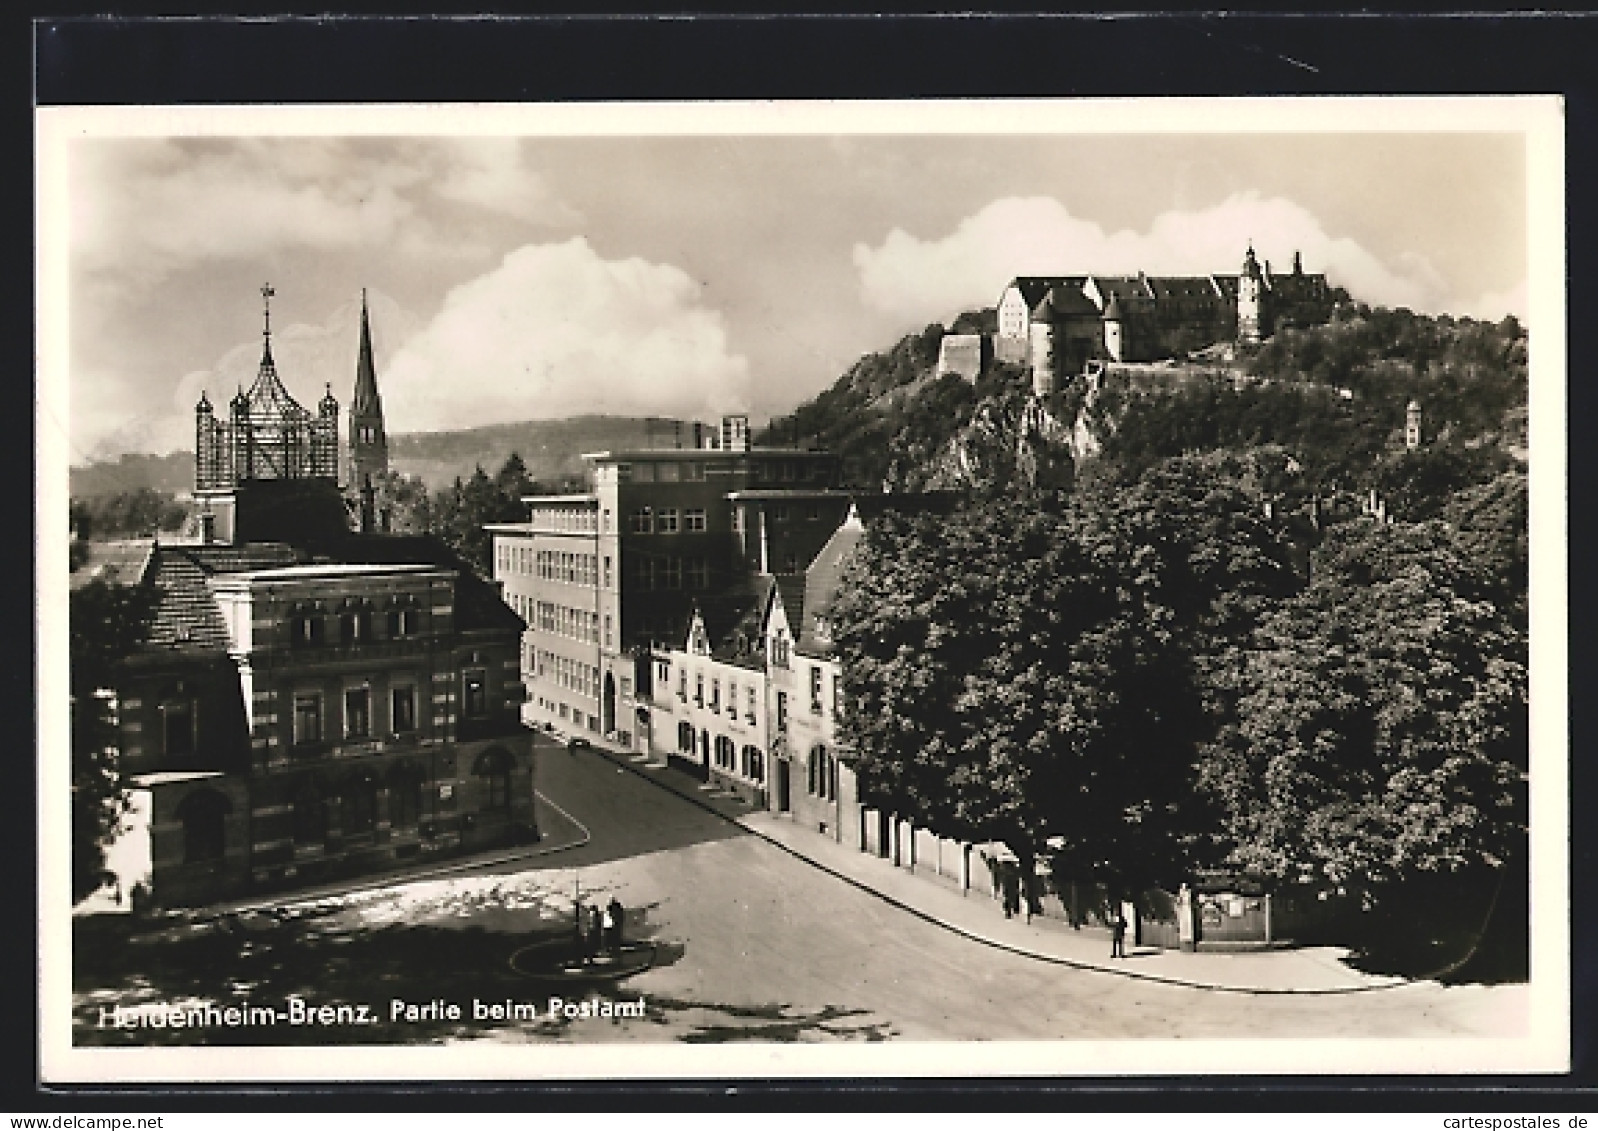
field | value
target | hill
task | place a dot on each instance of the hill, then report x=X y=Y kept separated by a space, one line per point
x=133 y=472
x=1333 y=397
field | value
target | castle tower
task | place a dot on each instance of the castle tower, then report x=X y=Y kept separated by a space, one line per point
x=1044 y=365
x=368 y=441
x=1114 y=329
x=1251 y=324
x=1412 y=426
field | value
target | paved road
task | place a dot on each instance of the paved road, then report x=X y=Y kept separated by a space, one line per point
x=747 y=942
x=771 y=946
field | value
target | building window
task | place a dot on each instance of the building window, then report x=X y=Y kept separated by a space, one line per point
x=732 y=700
x=672 y=573
x=177 y=724
x=699 y=689
x=402 y=622
x=693 y=471
x=474 y=703
x=494 y=768
x=813 y=513
x=750 y=711
x=790 y=563
x=698 y=573
x=737 y=520
x=754 y=764
x=667 y=473
x=607 y=571
x=779 y=514
x=354 y=627
x=782 y=710
x=694 y=519
x=402 y=701
x=724 y=752
x=685 y=738
x=779 y=649
x=815 y=689
x=822 y=774
x=682 y=685
x=666 y=520
x=204 y=816
x=641 y=521
x=607 y=630
x=307 y=630
x=307 y=719
x=715 y=695
x=357 y=712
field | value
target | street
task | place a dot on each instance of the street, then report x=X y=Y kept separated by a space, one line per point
x=741 y=940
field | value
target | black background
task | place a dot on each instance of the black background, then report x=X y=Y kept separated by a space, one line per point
x=78 y=60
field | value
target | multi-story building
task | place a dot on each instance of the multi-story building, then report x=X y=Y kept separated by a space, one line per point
x=751 y=702
x=549 y=572
x=665 y=531
x=309 y=701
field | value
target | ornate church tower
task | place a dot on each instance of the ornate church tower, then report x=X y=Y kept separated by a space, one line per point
x=1251 y=325
x=368 y=442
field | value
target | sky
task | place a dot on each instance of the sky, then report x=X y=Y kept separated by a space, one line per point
x=520 y=277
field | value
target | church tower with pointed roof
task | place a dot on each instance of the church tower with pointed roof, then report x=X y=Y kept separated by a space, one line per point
x=368 y=442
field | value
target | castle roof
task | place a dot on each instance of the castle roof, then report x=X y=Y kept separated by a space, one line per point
x=1182 y=286
x=1034 y=287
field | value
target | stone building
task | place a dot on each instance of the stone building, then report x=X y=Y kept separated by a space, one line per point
x=309 y=700
x=1057 y=323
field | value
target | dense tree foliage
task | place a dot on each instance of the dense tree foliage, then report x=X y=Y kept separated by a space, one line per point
x=1030 y=674
x=139 y=513
x=458 y=513
x=106 y=622
x=1380 y=729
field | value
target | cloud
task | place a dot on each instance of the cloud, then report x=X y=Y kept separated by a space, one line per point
x=916 y=279
x=490 y=173
x=1495 y=304
x=146 y=208
x=556 y=330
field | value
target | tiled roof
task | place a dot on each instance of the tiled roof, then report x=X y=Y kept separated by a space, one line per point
x=1182 y=286
x=1034 y=287
x=791 y=592
x=186 y=614
x=240 y=559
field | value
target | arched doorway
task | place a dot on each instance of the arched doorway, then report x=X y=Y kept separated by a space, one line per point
x=607 y=705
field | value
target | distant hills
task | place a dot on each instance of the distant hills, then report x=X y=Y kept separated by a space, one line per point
x=551 y=449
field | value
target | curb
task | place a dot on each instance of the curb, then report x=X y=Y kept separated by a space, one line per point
x=997 y=944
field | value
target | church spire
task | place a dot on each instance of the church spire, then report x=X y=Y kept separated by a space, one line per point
x=366 y=401
x=368 y=441
x=266 y=333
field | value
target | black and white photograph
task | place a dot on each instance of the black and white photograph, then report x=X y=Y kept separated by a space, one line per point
x=778 y=589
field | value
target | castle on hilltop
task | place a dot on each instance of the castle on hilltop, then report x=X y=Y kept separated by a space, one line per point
x=1058 y=323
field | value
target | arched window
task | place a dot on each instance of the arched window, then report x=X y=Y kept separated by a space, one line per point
x=404 y=795
x=358 y=805
x=310 y=815
x=494 y=767
x=204 y=816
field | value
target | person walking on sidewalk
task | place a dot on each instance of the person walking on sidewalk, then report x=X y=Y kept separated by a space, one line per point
x=1118 y=935
x=613 y=920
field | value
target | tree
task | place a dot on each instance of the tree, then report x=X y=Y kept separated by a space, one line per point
x=1381 y=730
x=1033 y=675
x=106 y=623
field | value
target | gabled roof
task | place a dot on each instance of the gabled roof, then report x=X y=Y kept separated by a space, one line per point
x=1034 y=287
x=823 y=580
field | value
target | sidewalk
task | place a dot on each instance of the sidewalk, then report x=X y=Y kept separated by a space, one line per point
x=1300 y=970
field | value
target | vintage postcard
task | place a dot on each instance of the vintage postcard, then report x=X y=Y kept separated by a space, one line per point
x=972 y=588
